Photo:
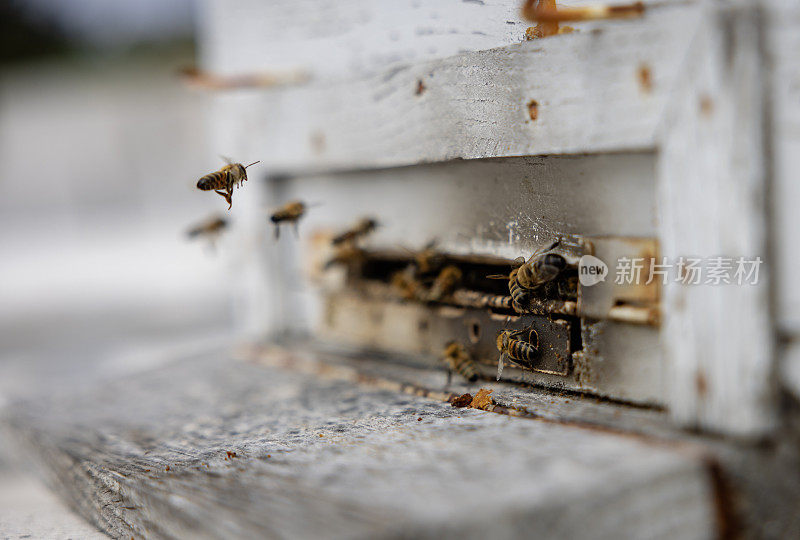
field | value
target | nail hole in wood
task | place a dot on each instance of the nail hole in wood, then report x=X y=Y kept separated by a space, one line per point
x=533 y=109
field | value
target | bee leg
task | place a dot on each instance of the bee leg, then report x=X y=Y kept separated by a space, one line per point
x=225 y=195
x=277 y=231
x=449 y=378
x=296 y=230
x=533 y=338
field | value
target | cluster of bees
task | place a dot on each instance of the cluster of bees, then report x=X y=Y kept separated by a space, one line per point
x=427 y=278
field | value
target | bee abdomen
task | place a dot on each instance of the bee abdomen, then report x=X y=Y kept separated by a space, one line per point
x=215 y=180
x=498 y=301
x=519 y=296
x=520 y=350
x=458 y=360
x=466 y=369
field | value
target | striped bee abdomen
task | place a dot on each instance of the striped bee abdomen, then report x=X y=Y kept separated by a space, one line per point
x=498 y=301
x=519 y=350
x=214 y=180
x=519 y=296
x=459 y=360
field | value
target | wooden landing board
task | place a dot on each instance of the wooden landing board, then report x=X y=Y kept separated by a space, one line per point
x=215 y=448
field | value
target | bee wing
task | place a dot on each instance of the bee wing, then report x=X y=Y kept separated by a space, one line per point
x=501 y=361
x=551 y=247
x=554 y=245
x=226 y=159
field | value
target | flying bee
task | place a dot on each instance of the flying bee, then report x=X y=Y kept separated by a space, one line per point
x=359 y=230
x=211 y=228
x=224 y=180
x=444 y=284
x=457 y=359
x=290 y=212
x=517 y=351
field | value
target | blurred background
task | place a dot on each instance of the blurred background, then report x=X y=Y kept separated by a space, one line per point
x=101 y=146
x=100 y=150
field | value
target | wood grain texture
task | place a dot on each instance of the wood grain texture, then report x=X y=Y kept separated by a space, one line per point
x=338 y=39
x=712 y=189
x=586 y=88
x=782 y=42
x=153 y=456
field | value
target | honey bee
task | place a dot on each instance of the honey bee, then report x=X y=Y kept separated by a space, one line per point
x=517 y=351
x=496 y=301
x=444 y=284
x=290 y=212
x=457 y=359
x=359 y=230
x=519 y=296
x=211 y=228
x=542 y=268
x=428 y=260
x=224 y=180
x=405 y=283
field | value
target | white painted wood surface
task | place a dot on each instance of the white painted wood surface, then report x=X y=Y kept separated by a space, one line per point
x=782 y=42
x=712 y=188
x=338 y=39
x=475 y=105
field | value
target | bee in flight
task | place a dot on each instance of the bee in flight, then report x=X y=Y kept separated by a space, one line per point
x=359 y=230
x=518 y=351
x=210 y=228
x=290 y=212
x=457 y=359
x=224 y=180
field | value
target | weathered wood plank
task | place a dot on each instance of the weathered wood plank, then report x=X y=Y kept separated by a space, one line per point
x=782 y=43
x=153 y=455
x=29 y=510
x=712 y=188
x=575 y=93
x=339 y=39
